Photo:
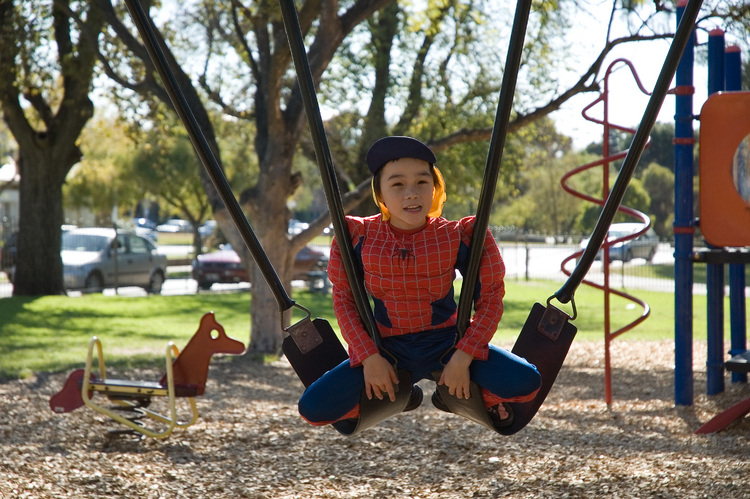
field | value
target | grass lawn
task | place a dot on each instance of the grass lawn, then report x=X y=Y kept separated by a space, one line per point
x=49 y=334
x=175 y=238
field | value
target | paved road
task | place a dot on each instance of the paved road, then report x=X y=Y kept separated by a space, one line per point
x=543 y=262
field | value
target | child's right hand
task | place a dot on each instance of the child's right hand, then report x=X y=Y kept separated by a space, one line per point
x=379 y=377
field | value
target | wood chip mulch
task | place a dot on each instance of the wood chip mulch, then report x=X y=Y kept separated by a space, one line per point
x=250 y=442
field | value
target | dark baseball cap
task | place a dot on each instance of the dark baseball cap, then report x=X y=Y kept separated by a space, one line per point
x=395 y=147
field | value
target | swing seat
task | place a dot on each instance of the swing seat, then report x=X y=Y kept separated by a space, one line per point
x=544 y=341
x=373 y=411
x=739 y=363
x=314 y=349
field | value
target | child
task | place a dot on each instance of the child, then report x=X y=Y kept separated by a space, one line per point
x=409 y=255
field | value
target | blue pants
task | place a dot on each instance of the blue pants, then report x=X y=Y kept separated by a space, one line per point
x=339 y=390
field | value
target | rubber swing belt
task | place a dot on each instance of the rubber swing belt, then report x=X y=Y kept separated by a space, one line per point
x=473 y=408
x=311 y=334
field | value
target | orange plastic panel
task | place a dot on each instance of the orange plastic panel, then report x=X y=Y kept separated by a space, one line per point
x=725 y=169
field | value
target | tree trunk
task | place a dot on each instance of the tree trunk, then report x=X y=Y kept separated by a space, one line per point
x=266 y=333
x=40 y=271
x=48 y=143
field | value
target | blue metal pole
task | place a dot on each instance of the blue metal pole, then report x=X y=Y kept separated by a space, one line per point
x=715 y=271
x=684 y=222
x=737 y=308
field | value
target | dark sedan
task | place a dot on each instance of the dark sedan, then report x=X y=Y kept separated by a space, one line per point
x=225 y=266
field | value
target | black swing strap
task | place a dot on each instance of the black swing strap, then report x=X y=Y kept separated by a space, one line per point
x=494 y=158
x=547 y=334
x=315 y=334
x=371 y=411
x=203 y=149
x=306 y=87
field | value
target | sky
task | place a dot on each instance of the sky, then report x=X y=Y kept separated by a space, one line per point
x=627 y=102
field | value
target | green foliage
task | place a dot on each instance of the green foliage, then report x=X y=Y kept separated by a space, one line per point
x=661 y=147
x=659 y=183
x=165 y=166
x=635 y=197
x=97 y=182
x=436 y=70
x=538 y=202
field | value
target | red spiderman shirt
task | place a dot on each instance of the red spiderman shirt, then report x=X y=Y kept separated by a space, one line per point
x=410 y=275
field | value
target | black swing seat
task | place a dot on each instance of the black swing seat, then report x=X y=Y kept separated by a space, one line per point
x=373 y=411
x=739 y=363
x=313 y=349
x=544 y=341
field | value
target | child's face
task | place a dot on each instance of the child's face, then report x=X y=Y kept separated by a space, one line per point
x=406 y=187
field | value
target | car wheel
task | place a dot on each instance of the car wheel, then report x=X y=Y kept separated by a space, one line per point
x=156 y=283
x=204 y=286
x=628 y=256
x=94 y=283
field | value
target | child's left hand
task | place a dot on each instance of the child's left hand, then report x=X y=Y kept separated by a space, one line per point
x=456 y=374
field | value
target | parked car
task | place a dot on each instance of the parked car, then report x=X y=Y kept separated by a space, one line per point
x=644 y=246
x=96 y=258
x=175 y=225
x=225 y=266
x=296 y=227
x=146 y=228
x=207 y=228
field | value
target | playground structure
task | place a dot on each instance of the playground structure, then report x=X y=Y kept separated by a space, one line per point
x=185 y=377
x=725 y=224
x=607 y=159
x=308 y=336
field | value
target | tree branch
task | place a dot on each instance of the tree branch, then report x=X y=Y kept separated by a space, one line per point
x=133 y=44
x=331 y=30
x=521 y=120
x=414 y=99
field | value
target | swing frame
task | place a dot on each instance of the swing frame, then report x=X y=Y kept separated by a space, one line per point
x=306 y=339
